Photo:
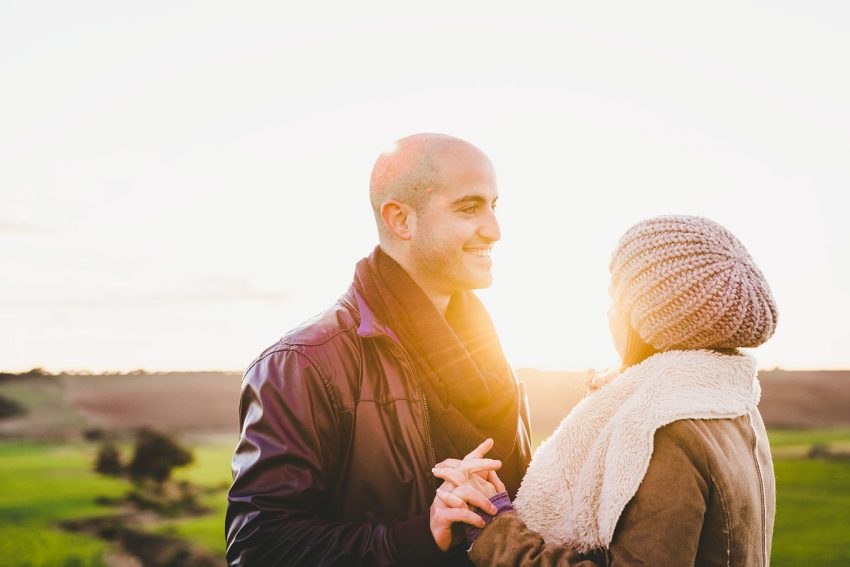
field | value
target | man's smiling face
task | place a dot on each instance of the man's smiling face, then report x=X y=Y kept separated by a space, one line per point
x=457 y=227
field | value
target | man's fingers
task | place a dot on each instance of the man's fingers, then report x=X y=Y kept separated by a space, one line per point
x=481 y=450
x=455 y=515
x=450 y=499
x=475 y=498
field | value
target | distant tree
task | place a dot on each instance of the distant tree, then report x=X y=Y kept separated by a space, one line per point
x=10 y=408
x=819 y=451
x=94 y=434
x=37 y=371
x=109 y=460
x=156 y=455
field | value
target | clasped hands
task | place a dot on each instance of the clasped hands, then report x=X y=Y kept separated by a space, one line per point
x=468 y=483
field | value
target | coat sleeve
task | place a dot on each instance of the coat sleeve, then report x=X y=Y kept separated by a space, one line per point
x=508 y=541
x=285 y=469
x=661 y=525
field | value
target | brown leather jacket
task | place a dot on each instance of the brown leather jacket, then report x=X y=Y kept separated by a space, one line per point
x=708 y=499
x=333 y=465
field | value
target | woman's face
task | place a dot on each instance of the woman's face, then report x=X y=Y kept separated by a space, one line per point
x=619 y=327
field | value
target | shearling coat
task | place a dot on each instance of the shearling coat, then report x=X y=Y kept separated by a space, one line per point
x=667 y=465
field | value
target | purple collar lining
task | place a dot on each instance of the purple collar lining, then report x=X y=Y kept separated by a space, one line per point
x=367 y=321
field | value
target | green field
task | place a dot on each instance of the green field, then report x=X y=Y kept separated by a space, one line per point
x=813 y=499
x=210 y=469
x=43 y=484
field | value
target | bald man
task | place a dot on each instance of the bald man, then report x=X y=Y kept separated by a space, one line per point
x=343 y=418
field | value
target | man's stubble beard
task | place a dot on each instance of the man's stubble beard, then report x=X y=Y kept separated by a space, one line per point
x=443 y=268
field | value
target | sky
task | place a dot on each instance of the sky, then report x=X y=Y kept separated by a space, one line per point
x=183 y=182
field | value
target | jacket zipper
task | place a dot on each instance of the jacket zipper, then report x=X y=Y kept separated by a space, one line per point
x=761 y=486
x=431 y=450
x=522 y=400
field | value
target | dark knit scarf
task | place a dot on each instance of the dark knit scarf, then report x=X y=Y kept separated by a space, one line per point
x=469 y=387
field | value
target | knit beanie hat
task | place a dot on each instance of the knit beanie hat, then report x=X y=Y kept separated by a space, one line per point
x=686 y=283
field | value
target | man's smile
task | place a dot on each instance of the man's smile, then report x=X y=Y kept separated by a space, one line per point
x=480 y=251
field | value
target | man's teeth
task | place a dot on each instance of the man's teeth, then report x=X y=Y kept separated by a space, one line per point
x=480 y=252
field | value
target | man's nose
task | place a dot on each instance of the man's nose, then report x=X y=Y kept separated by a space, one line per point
x=490 y=228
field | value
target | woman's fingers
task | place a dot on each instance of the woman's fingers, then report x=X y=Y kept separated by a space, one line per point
x=481 y=485
x=474 y=498
x=494 y=479
x=460 y=485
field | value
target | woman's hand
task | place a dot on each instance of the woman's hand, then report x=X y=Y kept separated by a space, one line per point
x=466 y=481
x=595 y=380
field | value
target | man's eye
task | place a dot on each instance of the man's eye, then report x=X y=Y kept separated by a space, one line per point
x=470 y=209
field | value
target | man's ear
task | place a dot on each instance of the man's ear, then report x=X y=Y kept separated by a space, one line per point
x=399 y=219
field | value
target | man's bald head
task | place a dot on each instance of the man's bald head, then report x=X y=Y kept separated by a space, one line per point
x=410 y=170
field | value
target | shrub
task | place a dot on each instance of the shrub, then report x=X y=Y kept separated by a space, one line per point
x=156 y=454
x=10 y=408
x=94 y=434
x=109 y=460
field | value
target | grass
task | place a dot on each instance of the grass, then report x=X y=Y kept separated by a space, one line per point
x=43 y=484
x=206 y=531
x=32 y=544
x=812 y=513
x=210 y=469
x=781 y=438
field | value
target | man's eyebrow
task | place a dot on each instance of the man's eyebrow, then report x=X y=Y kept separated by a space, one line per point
x=471 y=200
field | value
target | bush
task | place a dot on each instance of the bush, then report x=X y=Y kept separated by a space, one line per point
x=170 y=499
x=10 y=408
x=109 y=460
x=155 y=456
x=94 y=434
x=823 y=451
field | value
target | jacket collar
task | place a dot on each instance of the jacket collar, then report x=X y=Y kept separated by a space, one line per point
x=370 y=326
x=581 y=478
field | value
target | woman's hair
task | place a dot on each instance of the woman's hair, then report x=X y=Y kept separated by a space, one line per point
x=686 y=282
x=636 y=350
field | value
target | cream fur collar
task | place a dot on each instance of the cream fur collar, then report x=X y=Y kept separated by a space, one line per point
x=582 y=477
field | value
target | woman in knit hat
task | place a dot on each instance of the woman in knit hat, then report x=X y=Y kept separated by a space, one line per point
x=668 y=462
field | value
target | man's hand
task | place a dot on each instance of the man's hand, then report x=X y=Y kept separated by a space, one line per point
x=443 y=516
x=450 y=503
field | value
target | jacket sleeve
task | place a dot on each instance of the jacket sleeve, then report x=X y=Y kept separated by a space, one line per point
x=662 y=523
x=508 y=541
x=285 y=469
